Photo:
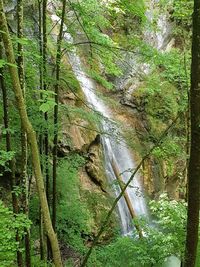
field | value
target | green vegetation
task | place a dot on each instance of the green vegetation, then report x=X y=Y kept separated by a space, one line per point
x=10 y=224
x=146 y=92
x=164 y=236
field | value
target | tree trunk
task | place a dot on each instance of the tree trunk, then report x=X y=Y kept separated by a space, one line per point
x=55 y=141
x=31 y=135
x=194 y=162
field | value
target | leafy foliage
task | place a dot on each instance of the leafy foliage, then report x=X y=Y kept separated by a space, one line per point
x=164 y=238
x=10 y=224
x=6 y=156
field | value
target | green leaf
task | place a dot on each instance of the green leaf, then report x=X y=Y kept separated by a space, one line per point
x=47 y=106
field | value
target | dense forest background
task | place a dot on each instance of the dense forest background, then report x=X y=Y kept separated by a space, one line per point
x=92 y=90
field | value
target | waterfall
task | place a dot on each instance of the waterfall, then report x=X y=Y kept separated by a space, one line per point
x=116 y=149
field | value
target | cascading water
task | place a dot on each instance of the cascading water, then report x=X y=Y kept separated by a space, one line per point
x=115 y=149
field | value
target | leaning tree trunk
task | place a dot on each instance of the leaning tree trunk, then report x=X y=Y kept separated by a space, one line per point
x=31 y=136
x=194 y=162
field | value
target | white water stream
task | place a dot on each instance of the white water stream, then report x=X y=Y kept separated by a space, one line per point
x=115 y=149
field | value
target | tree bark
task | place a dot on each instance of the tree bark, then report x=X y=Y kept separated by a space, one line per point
x=194 y=161
x=31 y=135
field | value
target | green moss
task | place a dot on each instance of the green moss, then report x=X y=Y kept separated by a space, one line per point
x=161 y=98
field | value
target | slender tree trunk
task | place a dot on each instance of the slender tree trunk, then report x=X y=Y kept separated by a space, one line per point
x=12 y=178
x=24 y=148
x=31 y=135
x=194 y=162
x=55 y=141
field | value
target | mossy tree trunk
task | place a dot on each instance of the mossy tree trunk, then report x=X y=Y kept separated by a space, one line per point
x=31 y=136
